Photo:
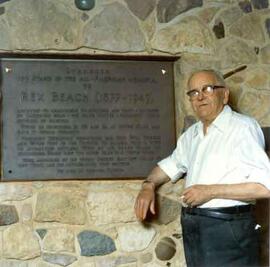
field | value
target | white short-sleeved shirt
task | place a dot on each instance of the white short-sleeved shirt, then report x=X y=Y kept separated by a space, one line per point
x=231 y=152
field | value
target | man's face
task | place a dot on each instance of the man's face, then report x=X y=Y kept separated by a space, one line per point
x=207 y=107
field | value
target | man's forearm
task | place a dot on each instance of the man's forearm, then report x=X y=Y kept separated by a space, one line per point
x=199 y=194
x=156 y=178
x=145 y=200
x=243 y=191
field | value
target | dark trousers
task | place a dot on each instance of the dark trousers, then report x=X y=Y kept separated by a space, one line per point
x=212 y=242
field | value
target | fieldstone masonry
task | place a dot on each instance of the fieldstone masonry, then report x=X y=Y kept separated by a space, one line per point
x=92 y=223
x=58 y=259
x=95 y=244
x=8 y=215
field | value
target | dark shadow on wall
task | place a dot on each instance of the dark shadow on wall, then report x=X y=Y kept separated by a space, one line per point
x=266 y=132
x=263 y=213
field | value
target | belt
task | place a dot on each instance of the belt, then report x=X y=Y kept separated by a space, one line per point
x=226 y=213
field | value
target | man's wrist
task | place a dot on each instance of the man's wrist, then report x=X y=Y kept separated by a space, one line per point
x=148 y=183
x=214 y=191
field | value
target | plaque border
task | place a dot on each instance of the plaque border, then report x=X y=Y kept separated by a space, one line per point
x=74 y=56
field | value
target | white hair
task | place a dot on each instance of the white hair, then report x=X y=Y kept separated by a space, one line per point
x=217 y=74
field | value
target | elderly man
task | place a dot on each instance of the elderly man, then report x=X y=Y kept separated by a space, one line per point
x=226 y=170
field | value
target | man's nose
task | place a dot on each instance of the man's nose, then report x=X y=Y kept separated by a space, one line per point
x=201 y=95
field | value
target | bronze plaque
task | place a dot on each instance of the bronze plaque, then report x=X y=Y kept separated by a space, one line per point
x=86 y=119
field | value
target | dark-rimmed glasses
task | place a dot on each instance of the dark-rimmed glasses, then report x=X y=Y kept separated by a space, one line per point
x=207 y=90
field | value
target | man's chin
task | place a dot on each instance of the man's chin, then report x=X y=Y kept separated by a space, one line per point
x=204 y=118
x=203 y=115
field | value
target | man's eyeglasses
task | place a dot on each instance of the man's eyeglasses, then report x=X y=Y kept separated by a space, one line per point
x=207 y=90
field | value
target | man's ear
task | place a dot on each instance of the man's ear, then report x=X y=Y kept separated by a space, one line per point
x=226 y=96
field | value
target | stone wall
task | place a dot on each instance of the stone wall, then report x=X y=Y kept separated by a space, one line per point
x=91 y=223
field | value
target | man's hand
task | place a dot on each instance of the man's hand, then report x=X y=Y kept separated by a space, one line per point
x=145 y=201
x=197 y=194
x=146 y=198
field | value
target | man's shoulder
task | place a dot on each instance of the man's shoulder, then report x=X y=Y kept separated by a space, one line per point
x=241 y=120
x=190 y=132
x=249 y=127
x=192 y=128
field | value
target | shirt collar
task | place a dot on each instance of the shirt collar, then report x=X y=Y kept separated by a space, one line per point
x=221 y=122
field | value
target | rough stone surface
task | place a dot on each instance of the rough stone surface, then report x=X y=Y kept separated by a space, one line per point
x=177 y=235
x=246 y=6
x=165 y=249
x=114 y=29
x=20 y=242
x=265 y=122
x=121 y=260
x=13 y=263
x=267 y=26
x=84 y=262
x=134 y=264
x=14 y=191
x=41 y=232
x=236 y=78
x=59 y=259
x=2 y=10
x=115 y=261
x=141 y=9
x=5 y=42
x=258 y=79
x=230 y=15
x=60 y=207
x=257 y=50
x=188 y=35
x=156 y=264
x=168 y=210
x=260 y=4
x=190 y=62
x=235 y=93
x=149 y=27
x=249 y=98
x=26 y=212
x=135 y=237
x=265 y=54
x=189 y=121
x=249 y=27
x=147 y=257
x=1 y=244
x=40 y=263
x=179 y=258
x=115 y=185
x=95 y=244
x=219 y=1
x=103 y=210
x=167 y=10
x=59 y=240
x=207 y=14
x=232 y=56
x=255 y=104
x=85 y=5
x=36 y=17
x=38 y=184
x=219 y=30
x=84 y=17
x=8 y=215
